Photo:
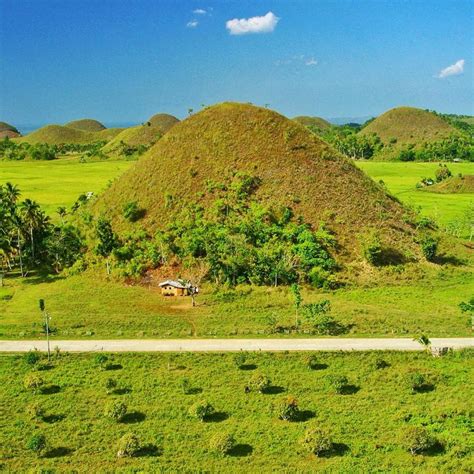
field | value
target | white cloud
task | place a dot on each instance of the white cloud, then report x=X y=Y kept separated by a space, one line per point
x=311 y=62
x=297 y=60
x=256 y=24
x=199 y=11
x=453 y=70
x=192 y=24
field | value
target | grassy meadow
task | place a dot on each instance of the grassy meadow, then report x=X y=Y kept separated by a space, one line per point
x=367 y=423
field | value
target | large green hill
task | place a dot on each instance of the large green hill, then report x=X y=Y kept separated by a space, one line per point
x=295 y=168
x=88 y=125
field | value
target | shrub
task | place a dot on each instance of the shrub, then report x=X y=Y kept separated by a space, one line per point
x=429 y=247
x=116 y=410
x=35 y=411
x=338 y=382
x=371 y=247
x=132 y=212
x=185 y=386
x=239 y=359
x=259 y=382
x=380 y=363
x=316 y=441
x=33 y=382
x=32 y=357
x=418 y=440
x=101 y=360
x=311 y=362
x=38 y=444
x=222 y=443
x=128 y=446
x=287 y=408
x=201 y=410
x=442 y=173
x=110 y=385
x=415 y=381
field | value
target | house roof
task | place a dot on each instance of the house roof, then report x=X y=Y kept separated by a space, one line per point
x=173 y=283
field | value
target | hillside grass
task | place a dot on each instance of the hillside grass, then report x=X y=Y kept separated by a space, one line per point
x=90 y=306
x=59 y=182
x=89 y=125
x=135 y=136
x=368 y=424
x=453 y=185
x=401 y=178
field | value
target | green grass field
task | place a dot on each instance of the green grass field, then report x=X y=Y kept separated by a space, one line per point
x=88 y=306
x=401 y=179
x=367 y=424
x=59 y=182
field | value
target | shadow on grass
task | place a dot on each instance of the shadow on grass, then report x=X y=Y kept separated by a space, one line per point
x=193 y=391
x=53 y=418
x=273 y=390
x=305 y=415
x=58 y=452
x=248 y=367
x=133 y=417
x=50 y=389
x=216 y=417
x=149 y=450
x=437 y=450
x=448 y=259
x=38 y=279
x=338 y=449
x=113 y=367
x=241 y=450
x=319 y=366
x=122 y=391
x=425 y=388
x=349 y=389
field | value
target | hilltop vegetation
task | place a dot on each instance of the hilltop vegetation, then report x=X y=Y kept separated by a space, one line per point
x=88 y=125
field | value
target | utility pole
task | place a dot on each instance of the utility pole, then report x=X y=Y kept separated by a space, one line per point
x=46 y=325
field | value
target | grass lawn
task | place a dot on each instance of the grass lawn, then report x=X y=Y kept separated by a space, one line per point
x=59 y=182
x=88 y=306
x=401 y=179
x=368 y=424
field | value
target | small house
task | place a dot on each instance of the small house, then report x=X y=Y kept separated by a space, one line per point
x=174 y=288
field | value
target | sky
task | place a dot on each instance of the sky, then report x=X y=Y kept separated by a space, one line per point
x=124 y=60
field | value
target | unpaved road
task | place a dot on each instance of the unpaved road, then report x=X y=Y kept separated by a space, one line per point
x=229 y=345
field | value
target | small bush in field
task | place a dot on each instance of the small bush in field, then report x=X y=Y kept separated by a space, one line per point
x=287 y=408
x=110 y=385
x=33 y=382
x=222 y=443
x=116 y=410
x=415 y=381
x=201 y=410
x=259 y=382
x=37 y=443
x=101 y=360
x=239 y=359
x=338 y=383
x=32 y=357
x=35 y=411
x=418 y=440
x=380 y=363
x=311 y=362
x=128 y=446
x=316 y=441
x=185 y=386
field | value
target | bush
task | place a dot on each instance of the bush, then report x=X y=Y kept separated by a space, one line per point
x=418 y=440
x=442 y=173
x=311 y=362
x=116 y=410
x=316 y=441
x=101 y=360
x=128 y=446
x=132 y=212
x=35 y=411
x=222 y=443
x=380 y=363
x=239 y=359
x=415 y=381
x=338 y=382
x=38 y=444
x=33 y=382
x=201 y=410
x=259 y=382
x=32 y=357
x=287 y=408
x=429 y=247
x=110 y=385
x=371 y=248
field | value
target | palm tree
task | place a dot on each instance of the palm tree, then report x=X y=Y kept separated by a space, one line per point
x=11 y=194
x=33 y=218
x=62 y=213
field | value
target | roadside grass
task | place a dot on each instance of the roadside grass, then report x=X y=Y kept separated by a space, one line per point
x=90 y=306
x=59 y=182
x=368 y=424
x=401 y=178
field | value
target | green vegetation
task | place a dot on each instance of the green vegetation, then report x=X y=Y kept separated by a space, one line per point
x=88 y=125
x=316 y=123
x=133 y=141
x=379 y=424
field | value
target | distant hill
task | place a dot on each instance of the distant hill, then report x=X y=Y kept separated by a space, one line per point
x=316 y=122
x=453 y=185
x=163 y=121
x=58 y=134
x=88 y=125
x=294 y=167
x=7 y=130
x=408 y=125
x=134 y=136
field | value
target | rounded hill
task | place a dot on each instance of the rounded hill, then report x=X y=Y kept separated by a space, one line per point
x=408 y=125
x=87 y=125
x=7 y=130
x=294 y=169
x=59 y=134
x=163 y=121
x=316 y=122
x=453 y=185
x=134 y=137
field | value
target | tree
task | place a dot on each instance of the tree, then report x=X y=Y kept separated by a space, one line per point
x=316 y=441
x=424 y=341
x=38 y=444
x=287 y=408
x=128 y=446
x=107 y=240
x=418 y=440
x=201 y=410
x=297 y=300
x=222 y=443
x=62 y=212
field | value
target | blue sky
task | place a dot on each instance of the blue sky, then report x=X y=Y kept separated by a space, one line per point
x=124 y=60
